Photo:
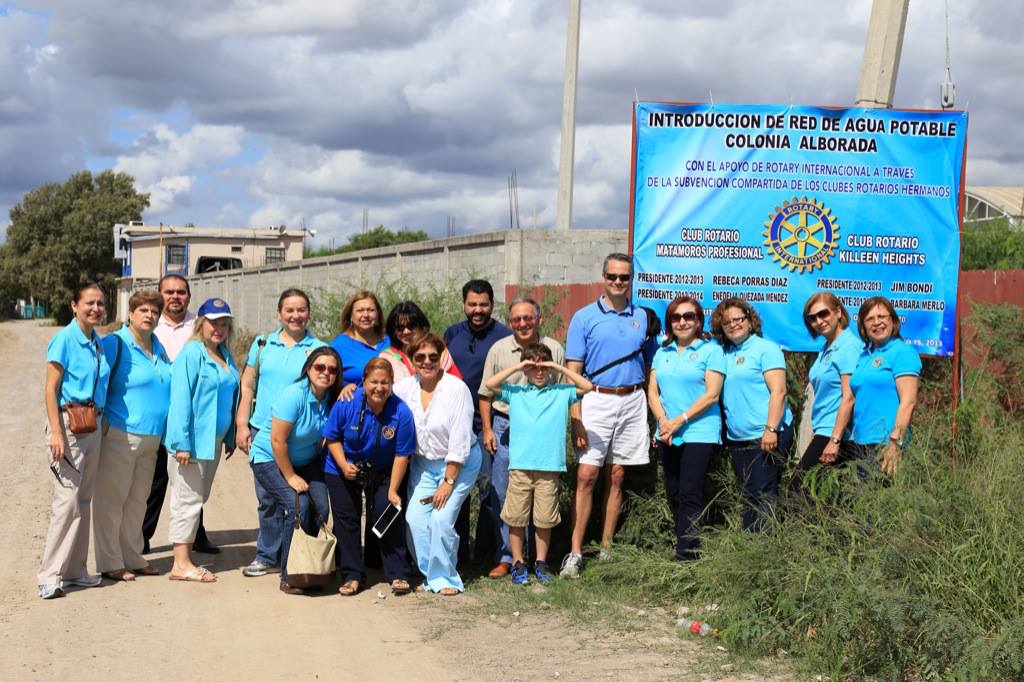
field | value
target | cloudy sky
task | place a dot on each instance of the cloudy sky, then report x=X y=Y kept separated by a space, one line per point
x=259 y=112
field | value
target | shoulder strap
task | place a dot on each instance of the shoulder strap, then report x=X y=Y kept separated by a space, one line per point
x=96 y=379
x=117 y=361
x=653 y=329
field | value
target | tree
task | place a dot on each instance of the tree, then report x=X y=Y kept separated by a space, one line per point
x=61 y=235
x=377 y=237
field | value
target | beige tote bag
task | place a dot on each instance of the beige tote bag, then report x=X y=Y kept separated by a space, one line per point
x=310 y=559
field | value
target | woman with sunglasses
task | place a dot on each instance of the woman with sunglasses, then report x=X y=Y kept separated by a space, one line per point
x=290 y=454
x=369 y=441
x=200 y=424
x=274 y=360
x=884 y=385
x=136 y=417
x=826 y=316
x=759 y=424
x=405 y=322
x=445 y=467
x=682 y=392
x=76 y=375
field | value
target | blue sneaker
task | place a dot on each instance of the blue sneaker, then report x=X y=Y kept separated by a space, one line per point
x=543 y=573
x=520 y=576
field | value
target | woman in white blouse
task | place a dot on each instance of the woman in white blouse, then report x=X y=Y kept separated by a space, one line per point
x=445 y=465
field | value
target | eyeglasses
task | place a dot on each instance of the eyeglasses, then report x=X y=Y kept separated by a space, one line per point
x=403 y=326
x=689 y=316
x=55 y=470
x=733 y=321
x=325 y=369
x=882 y=317
x=522 y=319
x=421 y=358
x=822 y=315
x=612 y=277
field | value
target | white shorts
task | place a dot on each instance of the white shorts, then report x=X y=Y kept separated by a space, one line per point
x=616 y=429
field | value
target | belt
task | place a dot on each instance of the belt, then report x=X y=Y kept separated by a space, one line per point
x=618 y=390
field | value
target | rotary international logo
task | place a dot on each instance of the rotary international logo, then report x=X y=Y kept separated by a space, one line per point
x=388 y=432
x=801 y=234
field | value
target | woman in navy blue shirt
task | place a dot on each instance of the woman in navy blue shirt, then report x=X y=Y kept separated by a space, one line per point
x=369 y=441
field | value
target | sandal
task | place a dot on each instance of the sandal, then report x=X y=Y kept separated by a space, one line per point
x=197 y=574
x=400 y=586
x=349 y=588
x=121 y=574
x=449 y=591
x=146 y=570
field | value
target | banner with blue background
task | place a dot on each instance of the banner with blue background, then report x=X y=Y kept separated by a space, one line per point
x=771 y=203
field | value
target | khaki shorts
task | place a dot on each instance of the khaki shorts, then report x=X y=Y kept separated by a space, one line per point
x=536 y=490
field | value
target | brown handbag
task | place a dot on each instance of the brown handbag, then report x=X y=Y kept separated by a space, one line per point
x=82 y=416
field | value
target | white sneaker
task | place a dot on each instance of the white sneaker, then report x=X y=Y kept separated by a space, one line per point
x=85 y=581
x=603 y=556
x=257 y=568
x=571 y=565
x=51 y=591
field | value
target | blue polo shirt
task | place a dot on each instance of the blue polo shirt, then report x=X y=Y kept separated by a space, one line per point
x=279 y=367
x=298 y=406
x=599 y=334
x=538 y=418
x=140 y=388
x=354 y=356
x=382 y=437
x=874 y=389
x=468 y=348
x=825 y=378
x=70 y=349
x=681 y=374
x=745 y=393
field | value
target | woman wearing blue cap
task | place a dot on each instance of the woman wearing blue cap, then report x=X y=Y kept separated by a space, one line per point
x=201 y=422
x=884 y=385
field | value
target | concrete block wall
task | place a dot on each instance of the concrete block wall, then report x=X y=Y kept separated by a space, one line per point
x=508 y=258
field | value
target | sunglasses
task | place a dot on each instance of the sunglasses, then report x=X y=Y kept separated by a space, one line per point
x=403 y=326
x=820 y=315
x=611 y=277
x=325 y=369
x=426 y=357
x=689 y=316
x=55 y=470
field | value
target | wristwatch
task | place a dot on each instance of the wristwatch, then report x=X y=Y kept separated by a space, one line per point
x=834 y=440
x=449 y=481
x=769 y=429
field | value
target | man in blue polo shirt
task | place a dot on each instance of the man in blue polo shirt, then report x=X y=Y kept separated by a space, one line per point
x=468 y=343
x=607 y=343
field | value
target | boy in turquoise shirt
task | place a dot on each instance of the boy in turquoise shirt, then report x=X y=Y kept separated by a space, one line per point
x=538 y=417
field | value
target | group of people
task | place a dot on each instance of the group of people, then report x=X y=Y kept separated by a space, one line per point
x=392 y=416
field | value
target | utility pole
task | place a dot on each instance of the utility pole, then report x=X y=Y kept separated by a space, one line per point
x=566 y=157
x=882 y=51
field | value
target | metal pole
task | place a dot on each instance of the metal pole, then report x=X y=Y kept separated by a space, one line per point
x=566 y=157
x=882 y=50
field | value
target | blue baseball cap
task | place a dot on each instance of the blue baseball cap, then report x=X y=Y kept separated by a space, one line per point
x=214 y=309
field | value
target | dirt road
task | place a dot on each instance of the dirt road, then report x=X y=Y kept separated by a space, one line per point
x=243 y=628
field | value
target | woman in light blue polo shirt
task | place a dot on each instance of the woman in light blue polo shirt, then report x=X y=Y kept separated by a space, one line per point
x=826 y=316
x=288 y=457
x=682 y=392
x=76 y=374
x=759 y=424
x=274 y=360
x=200 y=424
x=136 y=416
x=884 y=385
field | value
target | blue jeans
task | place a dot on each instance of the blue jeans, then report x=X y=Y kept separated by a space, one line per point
x=491 y=531
x=272 y=481
x=268 y=538
x=432 y=535
x=685 y=468
x=758 y=472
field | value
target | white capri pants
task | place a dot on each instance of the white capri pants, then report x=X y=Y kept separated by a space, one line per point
x=190 y=489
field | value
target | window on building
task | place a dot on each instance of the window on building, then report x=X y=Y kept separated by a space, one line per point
x=176 y=257
x=275 y=254
x=236 y=249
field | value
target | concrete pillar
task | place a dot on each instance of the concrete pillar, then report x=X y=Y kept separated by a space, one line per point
x=567 y=154
x=882 y=50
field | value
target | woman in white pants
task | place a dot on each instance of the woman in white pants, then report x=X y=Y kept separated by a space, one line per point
x=135 y=416
x=201 y=421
